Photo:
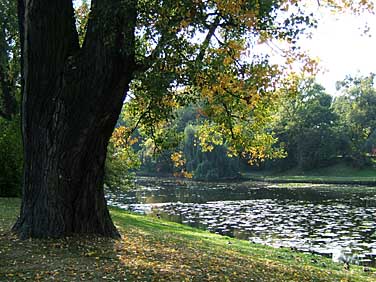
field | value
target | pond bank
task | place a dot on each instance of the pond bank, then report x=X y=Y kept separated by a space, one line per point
x=285 y=178
x=341 y=174
x=155 y=250
x=310 y=180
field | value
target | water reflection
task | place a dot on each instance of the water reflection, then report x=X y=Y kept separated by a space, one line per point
x=314 y=218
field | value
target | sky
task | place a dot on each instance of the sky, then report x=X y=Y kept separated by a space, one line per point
x=342 y=47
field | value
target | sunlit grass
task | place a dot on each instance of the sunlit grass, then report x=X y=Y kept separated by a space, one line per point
x=155 y=250
x=336 y=173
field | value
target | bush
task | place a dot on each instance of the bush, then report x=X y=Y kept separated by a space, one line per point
x=121 y=160
x=10 y=158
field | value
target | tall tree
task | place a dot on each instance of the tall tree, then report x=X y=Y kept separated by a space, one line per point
x=10 y=130
x=357 y=111
x=306 y=128
x=71 y=102
x=9 y=59
x=73 y=94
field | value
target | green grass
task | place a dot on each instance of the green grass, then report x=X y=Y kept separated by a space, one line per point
x=157 y=250
x=335 y=173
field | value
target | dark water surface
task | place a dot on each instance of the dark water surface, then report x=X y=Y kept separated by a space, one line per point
x=324 y=219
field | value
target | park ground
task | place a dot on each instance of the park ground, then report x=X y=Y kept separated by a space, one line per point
x=336 y=174
x=155 y=250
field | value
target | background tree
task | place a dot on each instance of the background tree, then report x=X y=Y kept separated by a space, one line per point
x=9 y=59
x=181 y=153
x=357 y=111
x=121 y=159
x=306 y=128
x=209 y=165
x=10 y=128
x=10 y=158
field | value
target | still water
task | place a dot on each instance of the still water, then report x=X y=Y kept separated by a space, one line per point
x=323 y=219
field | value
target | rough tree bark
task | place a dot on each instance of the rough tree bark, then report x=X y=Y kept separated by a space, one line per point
x=72 y=97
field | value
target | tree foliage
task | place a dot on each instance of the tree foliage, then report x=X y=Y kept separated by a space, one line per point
x=207 y=165
x=9 y=59
x=205 y=52
x=10 y=135
x=357 y=111
x=181 y=153
x=10 y=158
x=121 y=159
x=306 y=127
x=317 y=130
x=195 y=52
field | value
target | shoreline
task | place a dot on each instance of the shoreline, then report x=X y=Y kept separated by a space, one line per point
x=274 y=179
x=312 y=181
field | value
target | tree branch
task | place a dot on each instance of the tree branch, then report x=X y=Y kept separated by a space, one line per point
x=230 y=116
x=110 y=34
x=206 y=42
x=139 y=121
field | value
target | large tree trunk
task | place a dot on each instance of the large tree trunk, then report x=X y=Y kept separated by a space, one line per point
x=72 y=98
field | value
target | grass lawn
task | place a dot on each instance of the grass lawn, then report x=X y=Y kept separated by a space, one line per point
x=157 y=250
x=336 y=173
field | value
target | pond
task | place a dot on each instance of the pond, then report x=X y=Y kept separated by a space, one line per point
x=333 y=220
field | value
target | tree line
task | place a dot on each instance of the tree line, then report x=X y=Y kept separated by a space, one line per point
x=317 y=129
x=312 y=130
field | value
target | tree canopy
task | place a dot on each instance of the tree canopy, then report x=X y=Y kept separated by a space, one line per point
x=205 y=51
x=209 y=52
x=357 y=110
